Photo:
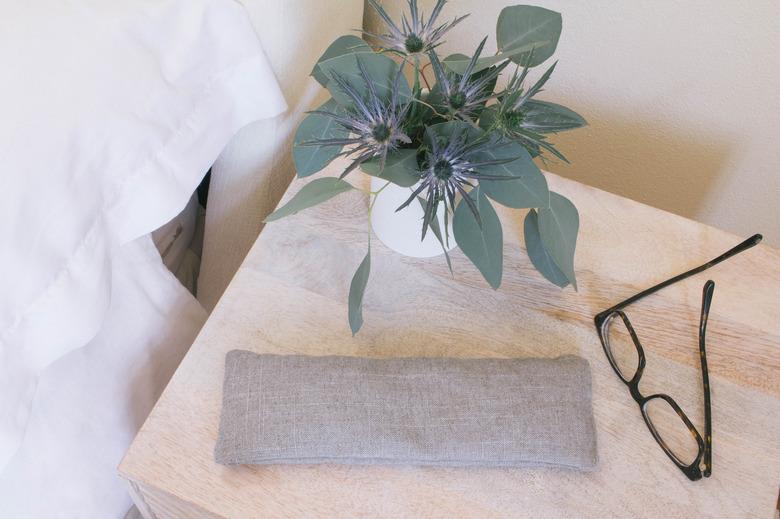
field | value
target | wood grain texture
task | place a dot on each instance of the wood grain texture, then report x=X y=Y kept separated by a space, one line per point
x=154 y=504
x=290 y=296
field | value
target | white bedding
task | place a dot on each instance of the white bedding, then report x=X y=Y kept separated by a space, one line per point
x=90 y=402
x=112 y=111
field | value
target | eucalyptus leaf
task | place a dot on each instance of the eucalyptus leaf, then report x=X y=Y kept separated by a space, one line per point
x=458 y=63
x=539 y=256
x=488 y=118
x=527 y=189
x=558 y=226
x=546 y=117
x=400 y=168
x=357 y=289
x=314 y=193
x=310 y=159
x=443 y=132
x=436 y=99
x=520 y=25
x=484 y=245
x=381 y=70
x=342 y=46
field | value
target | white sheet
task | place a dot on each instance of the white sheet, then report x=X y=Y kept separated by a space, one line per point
x=111 y=114
x=90 y=403
x=112 y=111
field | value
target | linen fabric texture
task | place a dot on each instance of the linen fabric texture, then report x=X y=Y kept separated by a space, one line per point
x=295 y=409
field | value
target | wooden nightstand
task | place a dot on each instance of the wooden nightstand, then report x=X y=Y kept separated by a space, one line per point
x=290 y=297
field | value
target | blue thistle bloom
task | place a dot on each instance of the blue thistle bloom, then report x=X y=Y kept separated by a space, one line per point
x=416 y=37
x=375 y=126
x=464 y=95
x=452 y=164
x=517 y=114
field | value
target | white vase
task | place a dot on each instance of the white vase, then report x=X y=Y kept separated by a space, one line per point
x=401 y=231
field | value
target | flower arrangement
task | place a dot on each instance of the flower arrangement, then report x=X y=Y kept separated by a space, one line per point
x=452 y=136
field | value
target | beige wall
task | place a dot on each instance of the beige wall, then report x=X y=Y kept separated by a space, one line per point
x=682 y=97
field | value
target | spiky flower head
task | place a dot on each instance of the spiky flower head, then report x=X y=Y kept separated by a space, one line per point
x=463 y=95
x=375 y=126
x=416 y=37
x=516 y=109
x=450 y=165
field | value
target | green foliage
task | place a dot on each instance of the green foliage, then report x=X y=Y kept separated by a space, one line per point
x=538 y=254
x=547 y=117
x=482 y=244
x=310 y=159
x=345 y=45
x=458 y=62
x=382 y=71
x=458 y=146
x=525 y=185
x=314 y=193
x=357 y=289
x=550 y=238
x=400 y=168
x=558 y=226
x=521 y=25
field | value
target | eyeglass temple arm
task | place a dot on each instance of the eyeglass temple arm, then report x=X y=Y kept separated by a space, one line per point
x=709 y=288
x=750 y=242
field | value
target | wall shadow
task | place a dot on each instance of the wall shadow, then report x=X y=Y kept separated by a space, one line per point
x=658 y=165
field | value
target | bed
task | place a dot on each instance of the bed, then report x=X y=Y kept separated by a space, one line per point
x=112 y=113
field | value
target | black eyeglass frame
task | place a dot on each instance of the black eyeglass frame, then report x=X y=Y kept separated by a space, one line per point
x=603 y=320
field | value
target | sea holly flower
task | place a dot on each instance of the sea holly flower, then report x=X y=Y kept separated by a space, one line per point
x=452 y=163
x=415 y=37
x=375 y=126
x=513 y=120
x=526 y=120
x=462 y=96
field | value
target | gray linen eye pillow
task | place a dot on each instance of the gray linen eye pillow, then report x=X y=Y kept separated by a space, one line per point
x=283 y=409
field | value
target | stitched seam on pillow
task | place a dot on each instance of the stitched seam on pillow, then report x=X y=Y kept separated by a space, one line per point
x=111 y=200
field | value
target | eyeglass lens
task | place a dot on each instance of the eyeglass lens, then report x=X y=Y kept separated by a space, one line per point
x=662 y=417
x=672 y=430
x=620 y=348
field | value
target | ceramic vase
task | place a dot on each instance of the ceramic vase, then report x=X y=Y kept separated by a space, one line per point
x=401 y=231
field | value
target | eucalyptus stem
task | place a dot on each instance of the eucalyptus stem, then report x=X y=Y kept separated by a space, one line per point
x=425 y=80
x=371 y=206
x=417 y=75
x=416 y=90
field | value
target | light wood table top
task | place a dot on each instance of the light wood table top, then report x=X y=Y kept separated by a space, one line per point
x=290 y=296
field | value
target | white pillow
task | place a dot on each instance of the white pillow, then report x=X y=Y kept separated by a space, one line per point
x=110 y=113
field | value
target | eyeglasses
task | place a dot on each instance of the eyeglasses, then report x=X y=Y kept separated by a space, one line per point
x=669 y=425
